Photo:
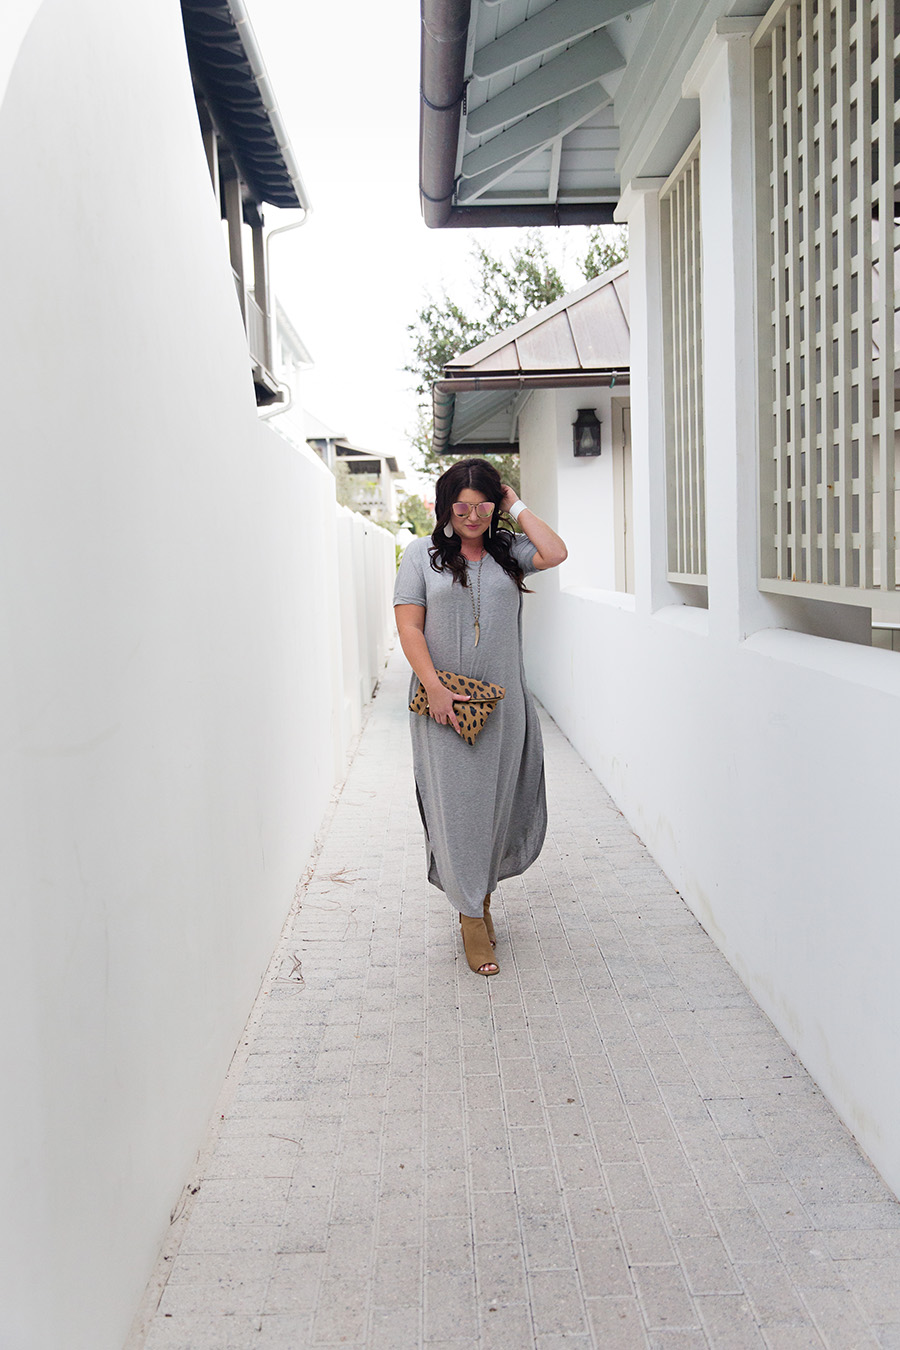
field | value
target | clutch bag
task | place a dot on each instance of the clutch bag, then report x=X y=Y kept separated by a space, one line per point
x=483 y=699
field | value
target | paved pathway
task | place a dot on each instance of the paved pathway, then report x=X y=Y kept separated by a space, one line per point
x=607 y=1144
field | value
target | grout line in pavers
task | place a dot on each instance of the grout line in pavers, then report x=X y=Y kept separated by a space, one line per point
x=423 y=1141
x=616 y=987
x=613 y=1209
x=676 y=1131
x=547 y=1124
x=656 y=963
x=464 y=1080
x=510 y=959
x=429 y=959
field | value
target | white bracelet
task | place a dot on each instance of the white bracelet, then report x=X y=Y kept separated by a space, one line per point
x=516 y=510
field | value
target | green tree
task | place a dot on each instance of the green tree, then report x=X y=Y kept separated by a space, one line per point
x=412 y=511
x=345 y=489
x=503 y=291
x=607 y=246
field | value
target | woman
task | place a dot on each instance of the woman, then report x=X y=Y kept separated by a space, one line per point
x=458 y=602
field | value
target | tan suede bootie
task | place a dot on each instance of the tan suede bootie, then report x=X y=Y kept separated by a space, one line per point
x=479 y=952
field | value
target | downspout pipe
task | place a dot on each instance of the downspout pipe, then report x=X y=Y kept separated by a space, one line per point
x=445 y=34
x=284 y=404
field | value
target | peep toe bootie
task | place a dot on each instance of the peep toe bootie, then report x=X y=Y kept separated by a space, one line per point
x=488 y=921
x=479 y=952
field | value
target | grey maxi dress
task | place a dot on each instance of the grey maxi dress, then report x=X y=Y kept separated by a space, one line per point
x=483 y=806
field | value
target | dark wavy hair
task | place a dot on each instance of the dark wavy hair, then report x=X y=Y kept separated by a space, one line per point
x=446 y=554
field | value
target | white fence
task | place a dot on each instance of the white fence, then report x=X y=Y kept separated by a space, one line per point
x=175 y=697
x=366 y=569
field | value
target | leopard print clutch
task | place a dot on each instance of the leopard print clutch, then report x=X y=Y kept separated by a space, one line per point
x=471 y=716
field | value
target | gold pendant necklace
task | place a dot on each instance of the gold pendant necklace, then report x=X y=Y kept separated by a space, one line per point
x=476 y=605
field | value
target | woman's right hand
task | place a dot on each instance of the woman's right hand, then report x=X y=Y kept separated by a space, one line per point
x=440 y=705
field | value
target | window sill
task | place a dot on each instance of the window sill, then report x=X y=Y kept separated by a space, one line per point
x=686 y=617
x=868 y=667
x=612 y=599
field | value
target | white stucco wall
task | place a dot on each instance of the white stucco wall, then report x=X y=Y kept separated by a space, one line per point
x=171 y=715
x=576 y=492
x=364 y=611
x=762 y=778
x=751 y=750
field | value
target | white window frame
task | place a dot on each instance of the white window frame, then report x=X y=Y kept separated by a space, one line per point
x=824 y=116
x=683 y=344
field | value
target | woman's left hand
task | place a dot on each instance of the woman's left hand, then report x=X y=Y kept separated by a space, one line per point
x=509 y=498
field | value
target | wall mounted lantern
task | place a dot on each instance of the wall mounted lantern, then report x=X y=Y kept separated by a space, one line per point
x=586 y=432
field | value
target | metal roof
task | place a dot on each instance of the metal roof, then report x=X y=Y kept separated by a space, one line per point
x=356 y=459
x=359 y=461
x=517 y=118
x=581 y=339
x=227 y=67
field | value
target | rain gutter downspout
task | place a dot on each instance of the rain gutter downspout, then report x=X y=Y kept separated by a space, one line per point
x=285 y=404
x=445 y=35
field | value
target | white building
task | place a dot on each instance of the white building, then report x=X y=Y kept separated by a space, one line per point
x=370 y=475
x=524 y=390
x=730 y=697
x=182 y=667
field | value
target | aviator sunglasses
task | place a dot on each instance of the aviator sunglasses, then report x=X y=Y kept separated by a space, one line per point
x=481 y=509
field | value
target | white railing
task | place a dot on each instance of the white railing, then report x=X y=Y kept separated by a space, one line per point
x=683 y=337
x=257 y=332
x=827 y=181
x=256 y=324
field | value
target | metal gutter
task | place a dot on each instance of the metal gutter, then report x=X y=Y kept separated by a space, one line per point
x=257 y=65
x=481 y=448
x=443 y=397
x=443 y=407
x=569 y=213
x=468 y=384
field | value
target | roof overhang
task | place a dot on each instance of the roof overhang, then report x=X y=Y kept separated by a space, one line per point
x=582 y=340
x=481 y=415
x=517 y=123
x=228 y=69
x=365 y=461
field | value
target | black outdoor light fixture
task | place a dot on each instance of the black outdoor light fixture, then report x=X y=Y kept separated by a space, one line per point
x=586 y=432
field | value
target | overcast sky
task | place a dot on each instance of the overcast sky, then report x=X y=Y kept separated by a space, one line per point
x=347 y=78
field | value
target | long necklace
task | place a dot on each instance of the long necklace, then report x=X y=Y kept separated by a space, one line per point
x=476 y=602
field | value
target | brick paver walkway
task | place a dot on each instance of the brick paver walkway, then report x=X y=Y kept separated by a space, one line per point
x=605 y=1145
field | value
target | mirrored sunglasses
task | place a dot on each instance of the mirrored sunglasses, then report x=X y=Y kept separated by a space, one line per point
x=481 y=509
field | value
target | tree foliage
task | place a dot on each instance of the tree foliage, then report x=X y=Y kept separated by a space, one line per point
x=504 y=289
x=412 y=511
x=345 y=488
x=607 y=246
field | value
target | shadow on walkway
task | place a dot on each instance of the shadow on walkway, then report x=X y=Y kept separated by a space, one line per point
x=607 y=1144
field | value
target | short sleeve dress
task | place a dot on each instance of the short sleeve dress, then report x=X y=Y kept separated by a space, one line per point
x=483 y=806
